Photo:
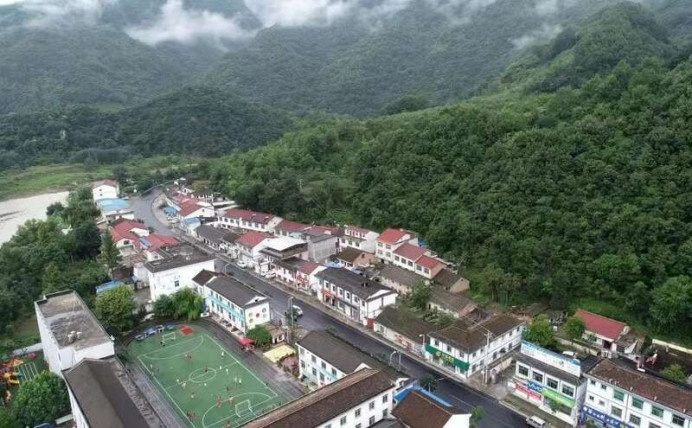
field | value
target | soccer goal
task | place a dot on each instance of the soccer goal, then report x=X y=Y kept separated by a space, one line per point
x=243 y=408
x=168 y=337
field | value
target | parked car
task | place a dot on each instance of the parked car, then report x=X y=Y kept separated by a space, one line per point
x=242 y=264
x=536 y=422
x=270 y=275
x=295 y=312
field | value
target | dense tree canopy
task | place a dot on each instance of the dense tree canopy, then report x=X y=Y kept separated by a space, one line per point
x=42 y=399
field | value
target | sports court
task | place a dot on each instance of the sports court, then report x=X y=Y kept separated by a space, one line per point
x=205 y=383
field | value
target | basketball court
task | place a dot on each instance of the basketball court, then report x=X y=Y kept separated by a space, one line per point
x=204 y=382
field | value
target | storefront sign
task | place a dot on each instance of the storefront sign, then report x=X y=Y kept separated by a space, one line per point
x=551 y=358
x=533 y=386
x=533 y=394
x=557 y=397
x=606 y=419
x=449 y=359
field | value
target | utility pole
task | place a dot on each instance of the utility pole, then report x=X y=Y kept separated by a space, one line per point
x=289 y=311
x=485 y=358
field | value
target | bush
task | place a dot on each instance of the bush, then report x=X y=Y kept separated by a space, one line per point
x=261 y=336
x=41 y=399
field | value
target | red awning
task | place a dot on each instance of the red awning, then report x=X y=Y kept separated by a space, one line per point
x=245 y=341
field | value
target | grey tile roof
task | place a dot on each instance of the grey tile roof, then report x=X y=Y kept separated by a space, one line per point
x=351 y=281
x=470 y=337
x=211 y=233
x=349 y=255
x=175 y=257
x=446 y=278
x=419 y=411
x=107 y=397
x=328 y=402
x=400 y=276
x=235 y=291
x=450 y=301
x=405 y=322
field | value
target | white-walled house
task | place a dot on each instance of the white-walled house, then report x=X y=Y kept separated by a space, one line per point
x=359 y=238
x=249 y=247
x=603 y=332
x=291 y=229
x=103 y=395
x=619 y=394
x=281 y=249
x=465 y=348
x=403 y=328
x=359 y=400
x=105 y=189
x=237 y=218
x=550 y=381
x=390 y=240
x=354 y=295
x=176 y=270
x=236 y=303
x=69 y=331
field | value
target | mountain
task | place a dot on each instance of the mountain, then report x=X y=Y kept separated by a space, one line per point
x=578 y=193
x=195 y=120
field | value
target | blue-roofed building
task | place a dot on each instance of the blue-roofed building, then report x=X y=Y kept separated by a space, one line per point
x=108 y=286
x=113 y=209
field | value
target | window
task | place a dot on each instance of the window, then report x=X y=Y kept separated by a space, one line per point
x=334 y=373
x=321 y=377
x=371 y=421
x=637 y=403
x=357 y=425
x=552 y=383
x=653 y=425
x=593 y=382
x=314 y=360
x=384 y=413
x=568 y=390
x=678 y=420
x=657 y=411
x=635 y=420
x=385 y=397
x=372 y=405
x=524 y=371
x=590 y=397
x=343 y=421
x=618 y=395
x=538 y=377
x=314 y=372
x=302 y=364
x=324 y=365
x=603 y=387
x=357 y=412
x=616 y=411
x=176 y=283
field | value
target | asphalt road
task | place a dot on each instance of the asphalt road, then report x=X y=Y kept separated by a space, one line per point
x=462 y=396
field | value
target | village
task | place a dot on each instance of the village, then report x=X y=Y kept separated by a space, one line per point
x=547 y=368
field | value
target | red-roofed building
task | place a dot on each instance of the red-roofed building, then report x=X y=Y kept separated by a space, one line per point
x=126 y=232
x=249 y=247
x=105 y=189
x=428 y=266
x=390 y=240
x=298 y=273
x=154 y=242
x=192 y=208
x=600 y=330
x=359 y=238
x=324 y=230
x=291 y=229
x=248 y=220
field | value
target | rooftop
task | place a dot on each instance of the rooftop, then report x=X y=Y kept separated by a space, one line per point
x=154 y=241
x=108 y=397
x=417 y=410
x=230 y=237
x=603 y=326
x=624 y=375
x=428 y=262
x=291 y=226
x=349 y=255
x=98 y=183
x=470 y=337
x=410 y=252
x=251 y=239
x=284 y=243
x=211 y=233
x=204 y=276
x=446 y=278
x=252 y=216
x=235 y=291
x=405 y=322
x=175 y=257
x=400 y=275
x=65 y=312
x=450 y=301
x=392 y=236
x=351 y=281
x=328 y=402
x=112 y=204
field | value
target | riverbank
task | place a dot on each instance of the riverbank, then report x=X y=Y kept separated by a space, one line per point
x=36 y=180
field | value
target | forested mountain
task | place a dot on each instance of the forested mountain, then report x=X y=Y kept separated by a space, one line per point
x=195 y=120
x=551 y=196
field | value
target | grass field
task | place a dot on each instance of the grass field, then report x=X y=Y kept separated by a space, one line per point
x=40 y=179
x=214 y=384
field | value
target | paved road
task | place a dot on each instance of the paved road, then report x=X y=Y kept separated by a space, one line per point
x=495 y=415
x=142 y=207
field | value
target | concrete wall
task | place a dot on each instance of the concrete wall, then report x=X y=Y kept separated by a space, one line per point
x=163 y=283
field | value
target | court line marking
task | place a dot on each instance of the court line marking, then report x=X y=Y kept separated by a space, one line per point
x=166 y=392
x=149 y=357
x=235 y=414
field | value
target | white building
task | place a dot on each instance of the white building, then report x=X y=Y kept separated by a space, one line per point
x=105 y=189
x=550 y=381
x=69 y=331
x=236 y=303
x=324 y=358
x=282 y=249
x=321 y=246
x=103 y=395
x=237 y=218
x=176 y=269
x=619 y=395
x=359 y=238
x=249 y=246
x=358 y=400
x=354 y=295
x=390 y=240
x=465 y=347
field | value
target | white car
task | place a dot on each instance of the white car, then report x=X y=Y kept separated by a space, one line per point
x=242 y=264
x=270 y=275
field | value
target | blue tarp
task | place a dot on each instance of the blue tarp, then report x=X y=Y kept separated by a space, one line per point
x=113 y=204
x=108 y=286
x=416 y=387
x=170 y=211
x=332 y=264
x=193 y=220
x=145 y=242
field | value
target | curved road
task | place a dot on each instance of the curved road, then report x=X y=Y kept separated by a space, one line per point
x=462 y=396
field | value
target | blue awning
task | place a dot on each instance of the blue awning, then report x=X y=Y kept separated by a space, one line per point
x=108 y=286
x=170 y=210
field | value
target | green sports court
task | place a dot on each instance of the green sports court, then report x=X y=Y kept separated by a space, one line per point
x=204 y=382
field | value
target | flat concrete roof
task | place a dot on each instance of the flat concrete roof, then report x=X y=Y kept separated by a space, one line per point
x=65 y=312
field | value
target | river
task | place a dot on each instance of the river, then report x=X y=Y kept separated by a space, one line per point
x=15 y=212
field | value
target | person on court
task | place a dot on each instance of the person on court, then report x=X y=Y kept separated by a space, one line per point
x=226 y=371
x=184 y=384
x=206 y=369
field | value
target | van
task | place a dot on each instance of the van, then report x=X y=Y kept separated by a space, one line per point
x=536 y=422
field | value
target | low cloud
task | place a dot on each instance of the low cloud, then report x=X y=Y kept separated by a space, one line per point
x=61 y=12
x=543 y=34
x=188 y=26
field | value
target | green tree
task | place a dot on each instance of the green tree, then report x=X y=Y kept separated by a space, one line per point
x=429 y=382
x=41 y=399
x=115 y=308
x=574 y=328
x=120 y=173
x=110 y=255
x=187 y=304
x=671 y=308
x=86 y=239
x=6 y=419
x=55 y=209
x=164 y=307
x=540 y=332
x=477 y=414
x=675 y=372
x=53 y=278
x=420 y=296
x=260 y=335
